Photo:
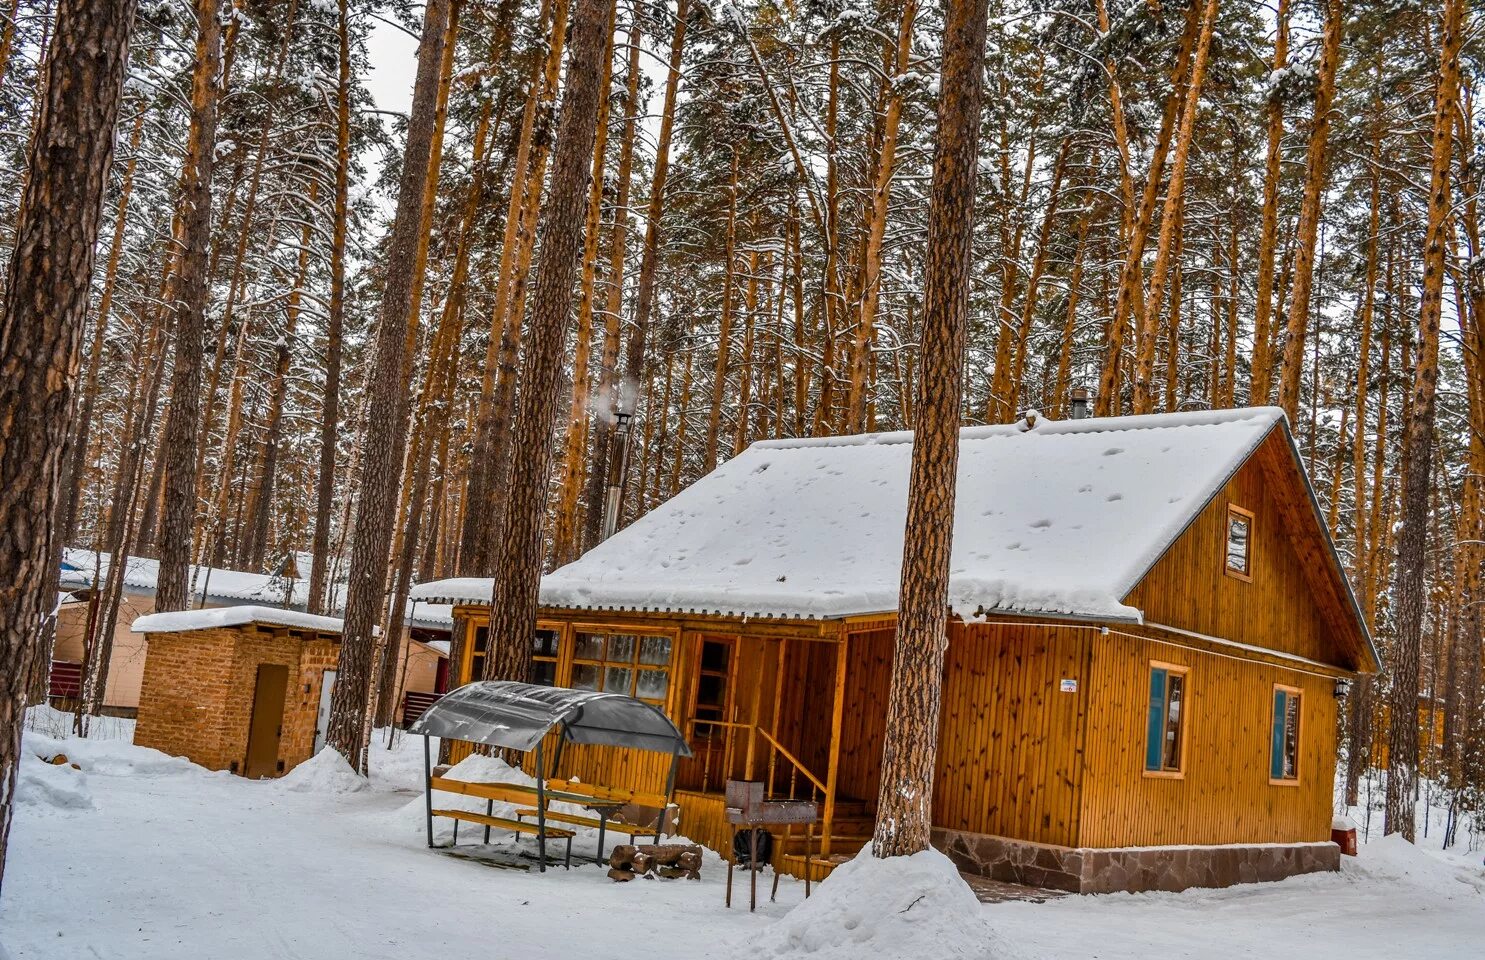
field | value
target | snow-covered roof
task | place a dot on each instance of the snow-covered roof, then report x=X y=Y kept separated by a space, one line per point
x=181 y=621
x=218 y=585
x=1062 y=518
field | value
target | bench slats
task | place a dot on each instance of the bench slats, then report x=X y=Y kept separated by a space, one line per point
x=581 y=821
x=518 y=826
x=617 y=794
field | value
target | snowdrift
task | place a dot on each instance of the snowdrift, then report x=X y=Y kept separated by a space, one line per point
x=46 y=786
x=911 y=908
x=327 y=772
x=112 y=758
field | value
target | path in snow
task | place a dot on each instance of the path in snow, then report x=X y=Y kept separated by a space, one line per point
x=173 y=862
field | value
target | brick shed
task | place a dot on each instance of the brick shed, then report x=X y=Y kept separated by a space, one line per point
x=236 y=688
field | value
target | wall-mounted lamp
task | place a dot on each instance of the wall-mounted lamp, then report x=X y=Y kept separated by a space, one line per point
x=1342 y=689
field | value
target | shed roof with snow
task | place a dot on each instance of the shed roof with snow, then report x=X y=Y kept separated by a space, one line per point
x=82 y=568
x=185 y=621
x=1055 y=518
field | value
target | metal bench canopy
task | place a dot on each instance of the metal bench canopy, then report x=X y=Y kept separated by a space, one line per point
x=504 y=713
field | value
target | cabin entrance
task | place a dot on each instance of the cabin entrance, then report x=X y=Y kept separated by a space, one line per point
x=800 y=714
x=267 y=725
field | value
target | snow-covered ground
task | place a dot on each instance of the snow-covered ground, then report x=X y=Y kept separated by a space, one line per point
x=139 y=855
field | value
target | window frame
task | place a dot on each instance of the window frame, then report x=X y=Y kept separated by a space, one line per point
x=567 y=632
x=569 y=659
x=1184 y=671
x=1233 y=509
x=1297 y=694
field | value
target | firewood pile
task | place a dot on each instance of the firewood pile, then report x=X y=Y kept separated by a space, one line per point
x=668 y=861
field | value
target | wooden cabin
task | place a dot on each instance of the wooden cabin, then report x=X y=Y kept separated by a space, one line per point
x=1149 y=637
x=247 y=689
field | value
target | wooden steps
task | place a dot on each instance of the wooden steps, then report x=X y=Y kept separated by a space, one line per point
x=793 y=865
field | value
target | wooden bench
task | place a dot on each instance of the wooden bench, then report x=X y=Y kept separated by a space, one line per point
x=490 y=792
x=603 y=798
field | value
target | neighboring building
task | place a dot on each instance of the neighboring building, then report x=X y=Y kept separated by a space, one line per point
x=244 y=689
x=1148 y=638
x=424 y=644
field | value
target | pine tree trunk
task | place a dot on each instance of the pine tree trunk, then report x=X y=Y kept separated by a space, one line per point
x=489 y=459
x=876 y=228
x=621 y=392
x=905 y=800
x=77 y=471
x=1129 y=301
x=386 y=410
x=262 y=491
x=1149 y=322
x=42 y=312
x=724 y=331
x=1293 y=355
x=319 y=584
x=1262 y=370
x=1410 y=587
x=518 y=573
x=187 y=297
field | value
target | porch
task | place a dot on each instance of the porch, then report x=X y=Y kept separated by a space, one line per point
x=805 y=716
x=798 y=705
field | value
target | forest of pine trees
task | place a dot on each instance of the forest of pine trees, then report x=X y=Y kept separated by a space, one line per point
x=324 y=333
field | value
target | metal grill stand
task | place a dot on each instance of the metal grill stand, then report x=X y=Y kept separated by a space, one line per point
x=747 y=808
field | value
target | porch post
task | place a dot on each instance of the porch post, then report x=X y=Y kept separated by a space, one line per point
x=842 y=650
x=428 y=786
x=541 y=813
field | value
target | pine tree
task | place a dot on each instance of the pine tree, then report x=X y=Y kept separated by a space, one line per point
x=905 y=800
x=42 y=311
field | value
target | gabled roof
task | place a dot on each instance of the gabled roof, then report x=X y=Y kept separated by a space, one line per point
x=1061 y=518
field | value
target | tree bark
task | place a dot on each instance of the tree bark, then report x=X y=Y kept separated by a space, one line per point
x=905 y=800
x=1149 y=322
x=1410 y=587
x=42 y=312
x=386 y=411
x=876 y=228
x=1292 y=368
x=187 y=296
x=619 y=392
x=518 y=574
x=334 y=324
x=1262 y=370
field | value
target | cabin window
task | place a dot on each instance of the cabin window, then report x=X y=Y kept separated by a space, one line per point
x=636 y=665
x=1283 y=760
x=544 y=647
x=1165 y=740
x=1239 y=556
x=477 y=654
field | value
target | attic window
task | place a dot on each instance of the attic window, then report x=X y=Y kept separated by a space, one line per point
x=1239 y=552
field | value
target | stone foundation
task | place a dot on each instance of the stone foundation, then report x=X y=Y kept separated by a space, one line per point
x=1131 y=869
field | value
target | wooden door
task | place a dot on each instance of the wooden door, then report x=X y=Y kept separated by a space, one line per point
x=267 y=724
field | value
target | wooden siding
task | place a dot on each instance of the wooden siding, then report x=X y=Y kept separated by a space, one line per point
x=1010 y=744
x=1224 y=795
x=1289 y=605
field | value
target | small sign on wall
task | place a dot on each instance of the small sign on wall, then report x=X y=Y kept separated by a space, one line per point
x=1068 y=686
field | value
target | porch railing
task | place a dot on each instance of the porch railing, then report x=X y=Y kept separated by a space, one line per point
x=707 y=751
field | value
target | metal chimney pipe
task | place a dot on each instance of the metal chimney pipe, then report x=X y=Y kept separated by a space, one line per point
x=1078 y=409
x=617 y=466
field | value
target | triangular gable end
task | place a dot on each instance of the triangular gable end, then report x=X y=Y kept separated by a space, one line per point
x=1300 y=588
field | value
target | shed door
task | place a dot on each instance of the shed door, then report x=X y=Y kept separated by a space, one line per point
x=322 y=719
x=267 y=725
